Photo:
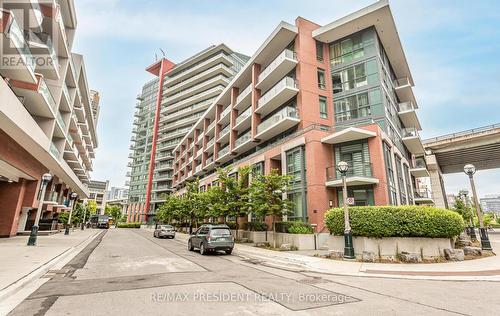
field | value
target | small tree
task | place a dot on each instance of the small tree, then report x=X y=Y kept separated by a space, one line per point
x=464 y=210
x=266 y=194
x=114 y=211
x=92 y=206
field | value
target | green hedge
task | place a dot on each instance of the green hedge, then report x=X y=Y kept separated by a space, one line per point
x=396 y=221
x=254 y=226
x=293 y=227
x=129 y=225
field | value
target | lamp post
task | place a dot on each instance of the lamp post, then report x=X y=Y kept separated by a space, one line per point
x=343 y=167
x=84 y=214
x=470 y=170
x=34 y=229
x=73 y=198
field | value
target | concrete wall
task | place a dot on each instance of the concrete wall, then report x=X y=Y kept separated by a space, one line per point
x=389 y=247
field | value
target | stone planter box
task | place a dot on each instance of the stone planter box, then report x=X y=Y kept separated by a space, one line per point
x=390 y=247
x=301 y=241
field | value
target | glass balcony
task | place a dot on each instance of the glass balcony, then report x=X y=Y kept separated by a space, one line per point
x=419 y=168
x=224 y=113
x=242 y=140
x=54 y=151
x=277 y=69
x=422 y=196
x=198 y=168
x=408 y=115
x=60 y=120
x=278 y=123
x=244 y=93
x=243 y=116
x=283 y=91
x=224 y=151
x=210 y=126
x=47 y=95
x=412 y=141
x=209 y=160
x=224 y=131
x=211 y=142
x=359 y=173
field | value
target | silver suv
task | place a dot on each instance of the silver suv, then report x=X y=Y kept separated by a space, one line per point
x=212 y=238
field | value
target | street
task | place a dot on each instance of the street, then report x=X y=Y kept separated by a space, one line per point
x=127 y=272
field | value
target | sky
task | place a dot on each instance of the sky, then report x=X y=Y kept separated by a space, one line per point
x=451 y=46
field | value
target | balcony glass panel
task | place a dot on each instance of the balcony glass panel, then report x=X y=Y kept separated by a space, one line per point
x=287 y=112
x=47 y=95
x=60 y=120
x=244 y=115
x=356 y=169
x=285 y=54
x=16 y=36
x=410 y=132
x=225 y=130
x=224 y=151
x=244 y=93
x=285 y=82
x=243 y=139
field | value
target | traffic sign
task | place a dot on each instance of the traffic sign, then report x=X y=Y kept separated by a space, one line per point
x=350 y=201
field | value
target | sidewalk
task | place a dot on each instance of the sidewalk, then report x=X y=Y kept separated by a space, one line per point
x=487 y=269
x=23 y=265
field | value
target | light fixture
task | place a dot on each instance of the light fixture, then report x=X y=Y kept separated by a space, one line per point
x=469 y=169
x=343 y=167
x=46 y=177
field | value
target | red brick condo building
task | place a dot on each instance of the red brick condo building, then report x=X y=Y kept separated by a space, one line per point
x=308 y=98
x=47 y=121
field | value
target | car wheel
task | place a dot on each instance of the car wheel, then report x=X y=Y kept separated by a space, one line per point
x=190 y=246
x=228 y=252
x=154 y=234
x=202 y=250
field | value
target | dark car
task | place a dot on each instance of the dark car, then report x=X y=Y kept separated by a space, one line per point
x=212 y=238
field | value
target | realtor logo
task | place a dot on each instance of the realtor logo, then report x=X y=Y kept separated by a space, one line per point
x=31 y=34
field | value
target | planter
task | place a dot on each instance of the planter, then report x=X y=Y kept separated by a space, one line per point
x=390 y=247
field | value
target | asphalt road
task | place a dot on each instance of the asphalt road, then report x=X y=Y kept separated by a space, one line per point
x=128 y=272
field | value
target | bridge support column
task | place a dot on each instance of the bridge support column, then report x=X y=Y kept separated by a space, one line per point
x=437 y=183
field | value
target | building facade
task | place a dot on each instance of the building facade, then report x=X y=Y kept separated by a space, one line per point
x=490 y=203
x=115 y=193
x=167 y=108
x=98 y=193
x=46 y=118
x=312 y=96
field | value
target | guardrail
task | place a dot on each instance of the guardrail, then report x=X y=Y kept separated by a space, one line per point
x=462 y=133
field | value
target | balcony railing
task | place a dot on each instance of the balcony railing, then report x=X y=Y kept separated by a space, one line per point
x=244 y=93
x=16 y=36
x=211 y=142
x=285 y=54
x=410 y=132
x=285 y=82
x=356 y=169
x=419 y=163
x=210 y=126
x=406 y=106
x=401 y=83
x=244 y=115
x=422 y=194
x=198 y=168
x=225 y=112
x=54 y=151
x=243 y=139
x=225 y=130
x=47 y=95
x=286 y=112
x=224 y=151
x=209 y=160
x=60 y=120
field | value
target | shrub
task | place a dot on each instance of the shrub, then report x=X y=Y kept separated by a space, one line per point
x=129 y=225
x=396 y=221
x=294 y=227
x=254 y=226
x=300 y=228
x=231 y=225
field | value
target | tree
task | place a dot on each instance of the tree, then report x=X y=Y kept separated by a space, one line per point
x=266 y=194
x=92 y=206
x=172 y=209
x=114 y=211
x=464 y=210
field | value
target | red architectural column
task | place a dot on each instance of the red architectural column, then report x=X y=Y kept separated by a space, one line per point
x=159 y=69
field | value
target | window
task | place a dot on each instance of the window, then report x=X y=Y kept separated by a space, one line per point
x=390 y=175
x=319 y=51
x=258 y=169
x=321 y=79
x=358 y=105
x=352 y=48
x=357 y=155
x=323 y=113
x=356 y=76
x=401 y=183
x=295 y=167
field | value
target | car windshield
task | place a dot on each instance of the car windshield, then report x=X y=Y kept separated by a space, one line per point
x=218 y=232
x=166 y=227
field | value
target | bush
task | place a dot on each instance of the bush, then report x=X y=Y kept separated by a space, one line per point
x=293 y=227
x=396 y=221
x=231 y=225
x=300 y=228
x=254 y=226
x=129 y=225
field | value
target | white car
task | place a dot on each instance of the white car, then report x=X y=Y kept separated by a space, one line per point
x=167 y=231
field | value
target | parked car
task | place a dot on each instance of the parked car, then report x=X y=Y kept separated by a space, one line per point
x=161 y=231
x=212 y=238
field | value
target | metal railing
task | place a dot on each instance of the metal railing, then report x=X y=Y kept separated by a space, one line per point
x=283 y=83
x=419 y=163
x=272 y=66
x=463 y=133
x=244 y=93
x=356 y=169
x=406 y=106
x=243 y=139
x=422 y=194
x=286 y=112
x=245 y=114
x=410 y=132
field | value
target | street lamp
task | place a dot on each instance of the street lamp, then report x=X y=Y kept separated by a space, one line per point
x=343 y=167
x=84 y=213
x=73 y=197
x=470 y=170
x=34 y=229
x=470 y=230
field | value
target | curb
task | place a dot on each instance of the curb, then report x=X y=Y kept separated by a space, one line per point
x=13 y=288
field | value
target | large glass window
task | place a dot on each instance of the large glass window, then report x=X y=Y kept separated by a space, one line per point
x=352 y=48
x=390 y=175
x=258 y=169
x=323 y=112
x=319 y=51
x=401 y=182
x=355 y=76
x=359 y=105
x=357 y=155
x=295 y=167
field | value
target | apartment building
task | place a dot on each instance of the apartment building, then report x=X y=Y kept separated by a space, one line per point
x=490 y=203
x=115 y=193
x=46 y=119
x=310 y=97
x=98 y=193
x=167 y=108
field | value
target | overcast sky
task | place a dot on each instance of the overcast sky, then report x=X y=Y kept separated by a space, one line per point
x=452 y=48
